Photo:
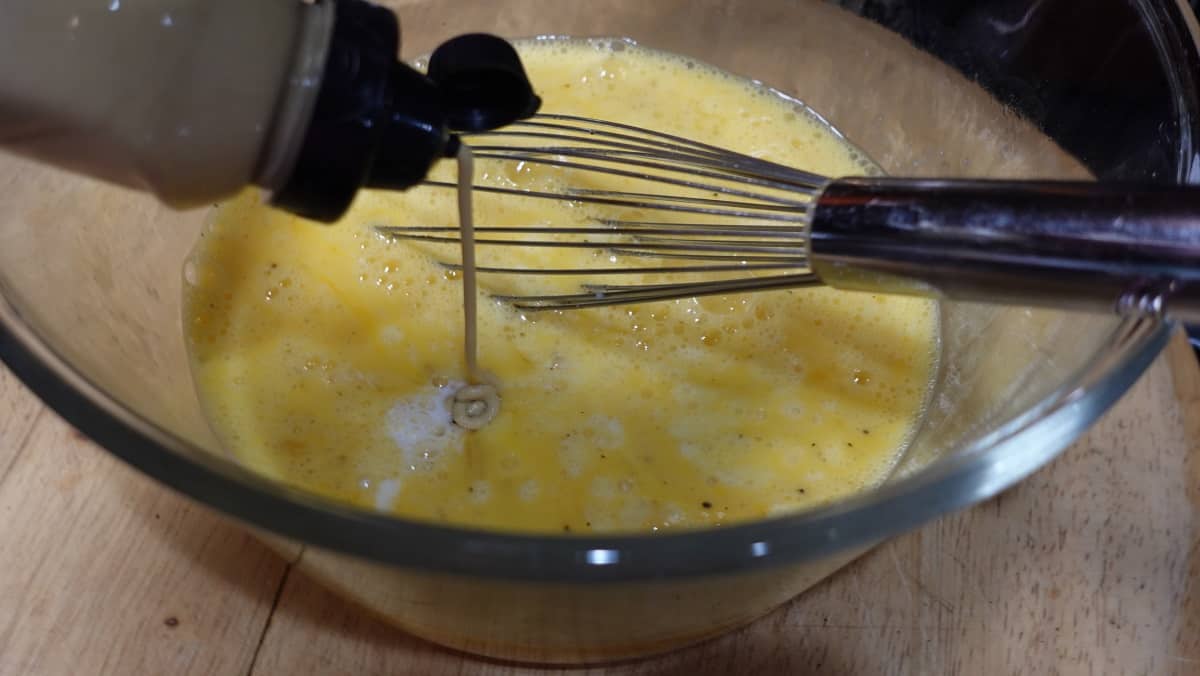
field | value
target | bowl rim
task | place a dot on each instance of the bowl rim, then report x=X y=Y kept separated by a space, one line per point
x=984 y=468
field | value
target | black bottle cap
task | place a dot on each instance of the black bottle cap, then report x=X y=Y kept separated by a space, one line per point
x=482 y=83
x=378 y=122
x=351 y=114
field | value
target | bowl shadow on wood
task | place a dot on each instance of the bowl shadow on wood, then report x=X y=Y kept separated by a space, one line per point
x=200 y=535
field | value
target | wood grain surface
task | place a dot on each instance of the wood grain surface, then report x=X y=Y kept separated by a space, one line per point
x=1091 y=567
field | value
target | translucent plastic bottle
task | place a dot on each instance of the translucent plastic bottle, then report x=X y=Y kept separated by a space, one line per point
x=194 y=99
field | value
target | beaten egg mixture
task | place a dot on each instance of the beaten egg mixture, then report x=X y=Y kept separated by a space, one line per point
x=326 y=356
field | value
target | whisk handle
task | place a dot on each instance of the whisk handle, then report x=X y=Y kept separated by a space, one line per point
x=1128 y=248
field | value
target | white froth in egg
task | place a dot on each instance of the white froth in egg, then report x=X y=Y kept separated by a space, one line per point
x=423 y=429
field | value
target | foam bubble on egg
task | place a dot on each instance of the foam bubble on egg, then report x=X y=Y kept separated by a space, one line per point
x=385 y=494
x=392 y=334
x=780 y=509
x=480 y=490
x=529 y=490
x=635 y=512
x=674 y=515
x=607 y=433
x=574 y=455
x=584 y=445
x=603 y=487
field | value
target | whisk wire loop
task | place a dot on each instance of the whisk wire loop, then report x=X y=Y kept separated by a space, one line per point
x=718 y=212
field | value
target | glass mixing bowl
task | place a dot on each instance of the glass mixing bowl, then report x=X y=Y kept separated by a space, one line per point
x=90 y=279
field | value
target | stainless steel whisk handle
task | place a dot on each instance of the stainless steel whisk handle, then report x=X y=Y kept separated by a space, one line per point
x=1129 y=248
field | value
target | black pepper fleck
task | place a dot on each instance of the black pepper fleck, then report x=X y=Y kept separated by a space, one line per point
x=706 y=504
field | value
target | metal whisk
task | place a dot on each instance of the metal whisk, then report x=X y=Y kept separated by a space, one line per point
x=716 y=221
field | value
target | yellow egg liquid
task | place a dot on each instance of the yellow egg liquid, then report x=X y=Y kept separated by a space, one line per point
x=326 y=357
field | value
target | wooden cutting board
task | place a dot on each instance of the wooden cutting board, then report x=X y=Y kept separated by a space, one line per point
x=1090 y=566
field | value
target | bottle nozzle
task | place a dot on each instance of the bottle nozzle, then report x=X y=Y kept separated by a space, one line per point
x=482 y=83
x=380 y=123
